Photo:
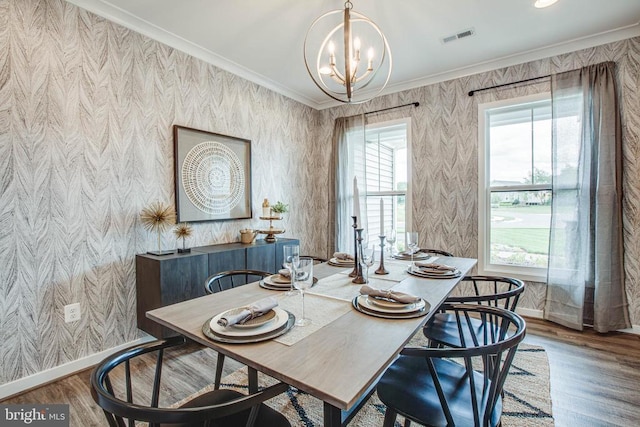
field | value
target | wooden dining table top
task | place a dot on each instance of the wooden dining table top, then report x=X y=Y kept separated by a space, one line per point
x=337 y=363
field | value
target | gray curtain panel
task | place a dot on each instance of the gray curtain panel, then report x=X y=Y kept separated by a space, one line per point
x=347 y=162
x=586 y=275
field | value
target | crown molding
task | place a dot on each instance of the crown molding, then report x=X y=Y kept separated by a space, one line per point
x=510 y=60
x=126 y=19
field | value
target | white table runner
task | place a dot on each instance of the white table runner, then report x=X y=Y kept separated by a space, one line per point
x=321 y=310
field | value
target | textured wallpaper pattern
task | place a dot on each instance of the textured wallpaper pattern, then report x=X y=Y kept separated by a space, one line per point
x=445 y=151
x=86 y=110
x=86 y=115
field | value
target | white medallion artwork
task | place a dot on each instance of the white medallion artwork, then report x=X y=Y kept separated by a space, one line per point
x=213 y=178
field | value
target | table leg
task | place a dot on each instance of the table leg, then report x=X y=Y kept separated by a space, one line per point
x=332 y=416
x=253 y=381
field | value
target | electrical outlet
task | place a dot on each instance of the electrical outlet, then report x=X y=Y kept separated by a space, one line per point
x=72 y=312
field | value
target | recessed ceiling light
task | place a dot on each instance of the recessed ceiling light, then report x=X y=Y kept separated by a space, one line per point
x=544 y=3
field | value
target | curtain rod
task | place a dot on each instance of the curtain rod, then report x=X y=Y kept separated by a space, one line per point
x=471 y=93
x=415 y=104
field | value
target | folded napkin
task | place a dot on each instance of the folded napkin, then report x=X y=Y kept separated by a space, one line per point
x=253 y=310
x=343 y=256
x=389 y=294
x=434 y=266
x=285 y=273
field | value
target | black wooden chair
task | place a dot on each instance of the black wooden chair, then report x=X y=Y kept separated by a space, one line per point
x=454 y=386
x=436 y=252
x=218 y=407
x=232 y=278
x=316 y=260
x=503 y=292
x=227 y=280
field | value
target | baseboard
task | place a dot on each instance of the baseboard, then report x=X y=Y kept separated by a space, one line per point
x=634 y=329
x=539 y=314
x=13 y=388
x=530 y=312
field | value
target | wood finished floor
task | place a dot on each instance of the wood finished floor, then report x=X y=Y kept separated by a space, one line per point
x=595 y=379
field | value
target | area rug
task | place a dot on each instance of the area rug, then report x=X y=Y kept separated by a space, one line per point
x=527 y=400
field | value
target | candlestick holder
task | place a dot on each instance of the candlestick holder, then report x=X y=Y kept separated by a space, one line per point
x=381 y=269
x=359 y=279
x=354 y=272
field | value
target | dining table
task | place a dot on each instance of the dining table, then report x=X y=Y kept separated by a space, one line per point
x=342 y=354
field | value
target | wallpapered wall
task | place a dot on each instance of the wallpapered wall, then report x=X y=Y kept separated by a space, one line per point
x=445 y=151
x=86 y=114
x=86 y=109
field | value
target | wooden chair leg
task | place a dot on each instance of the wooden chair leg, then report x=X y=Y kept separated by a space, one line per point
x=389 y=417
x=219 y=366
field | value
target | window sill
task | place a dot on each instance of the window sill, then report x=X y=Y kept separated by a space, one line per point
x=522 y=273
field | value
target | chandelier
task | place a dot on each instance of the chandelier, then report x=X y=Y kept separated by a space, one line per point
x=335 y=47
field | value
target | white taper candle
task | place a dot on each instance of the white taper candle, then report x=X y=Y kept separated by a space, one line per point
x=381 y=217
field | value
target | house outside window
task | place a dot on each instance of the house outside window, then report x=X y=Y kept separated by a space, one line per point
x=514 y=175
x=387 y=178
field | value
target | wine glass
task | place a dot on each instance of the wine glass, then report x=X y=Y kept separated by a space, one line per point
x=367 y=258
x=291 y=255
x=391 y=240
x=304 y=280
x=412 y=243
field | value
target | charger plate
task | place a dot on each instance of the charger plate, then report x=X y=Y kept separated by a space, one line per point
x=206 y=330
x=233 y=332
x=266 y=283
x=339 y=263
x=368 y=303
x=407 y=257
x=364 y=310
x=434 y=274
x=388 y=303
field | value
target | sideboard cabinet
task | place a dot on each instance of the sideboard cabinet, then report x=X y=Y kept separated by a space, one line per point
x=168 y=279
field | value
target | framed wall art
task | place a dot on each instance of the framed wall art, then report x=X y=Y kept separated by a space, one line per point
x=212 y=176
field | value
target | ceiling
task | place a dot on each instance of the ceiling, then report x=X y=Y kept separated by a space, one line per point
x=262 y=40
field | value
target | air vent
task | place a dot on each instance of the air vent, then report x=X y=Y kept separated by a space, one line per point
x=460 y=35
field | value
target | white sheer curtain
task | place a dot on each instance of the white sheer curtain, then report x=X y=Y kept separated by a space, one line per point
x=586 y=275
x=347 y=162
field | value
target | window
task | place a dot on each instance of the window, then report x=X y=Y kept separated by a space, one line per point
x=514 y=175
x=386 y=152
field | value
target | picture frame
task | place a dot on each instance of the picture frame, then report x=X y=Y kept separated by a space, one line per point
x=212 y=176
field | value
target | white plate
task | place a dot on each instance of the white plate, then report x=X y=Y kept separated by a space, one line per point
x=429 y=275
x=392 y=305
x=229 y=331
x=207 y=332
x=269 y=280
x=341 y=262
x=256 y=321
x=271 y=284
x=407 y=257
x=394 y=315
x=363 y=300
